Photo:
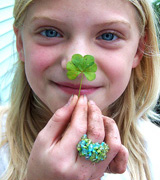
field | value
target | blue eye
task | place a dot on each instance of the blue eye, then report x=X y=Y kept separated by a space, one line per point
x=108 y=37
x=50 y=33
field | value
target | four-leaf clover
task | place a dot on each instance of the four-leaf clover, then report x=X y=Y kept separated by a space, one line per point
x=81 y=65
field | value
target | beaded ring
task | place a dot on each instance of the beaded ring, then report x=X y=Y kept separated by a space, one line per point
x=95 y=152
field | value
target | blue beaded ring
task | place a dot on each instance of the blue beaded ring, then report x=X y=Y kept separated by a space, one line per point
x=95 y=152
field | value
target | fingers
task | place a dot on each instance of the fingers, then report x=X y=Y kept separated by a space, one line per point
x=58 y=122
x=95 y=123
x=78 y=125
x=118 y=154
x=112 y=137
x=69 y=123
x=86 y=119
x=119 y=163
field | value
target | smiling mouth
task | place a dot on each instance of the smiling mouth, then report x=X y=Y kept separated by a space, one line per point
x=74 y=88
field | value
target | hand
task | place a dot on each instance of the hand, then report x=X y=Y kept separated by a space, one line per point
x=54 y=155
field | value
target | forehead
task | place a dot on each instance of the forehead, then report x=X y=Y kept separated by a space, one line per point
x=90 y=10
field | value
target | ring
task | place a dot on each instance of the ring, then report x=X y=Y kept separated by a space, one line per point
x=95 y=152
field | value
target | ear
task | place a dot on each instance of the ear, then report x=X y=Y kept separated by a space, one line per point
x=19 y=43
x=140 y=51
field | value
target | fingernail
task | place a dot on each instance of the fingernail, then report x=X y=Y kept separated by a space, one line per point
x=83 y=99
x=69 y=101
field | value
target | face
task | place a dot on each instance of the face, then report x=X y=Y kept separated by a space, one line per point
x=54 y=30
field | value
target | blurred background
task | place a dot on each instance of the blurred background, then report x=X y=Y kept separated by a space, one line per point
x=7 y=49
x=8 y=54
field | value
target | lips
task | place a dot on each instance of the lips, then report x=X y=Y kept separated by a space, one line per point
x=70 y=88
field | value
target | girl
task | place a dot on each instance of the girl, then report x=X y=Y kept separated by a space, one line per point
x=42 y=129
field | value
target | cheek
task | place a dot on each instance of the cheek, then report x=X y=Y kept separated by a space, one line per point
x=119 y=77
x=38 y=59
x=117 y=68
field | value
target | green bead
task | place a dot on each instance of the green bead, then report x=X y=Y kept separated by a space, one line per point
x=96 y=154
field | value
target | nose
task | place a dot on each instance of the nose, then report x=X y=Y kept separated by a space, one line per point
x=76 y=46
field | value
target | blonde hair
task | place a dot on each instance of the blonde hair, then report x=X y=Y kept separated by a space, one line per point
x=27 y=115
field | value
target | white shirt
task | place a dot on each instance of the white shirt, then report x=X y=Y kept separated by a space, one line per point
x=4 y=151
x=151 y=135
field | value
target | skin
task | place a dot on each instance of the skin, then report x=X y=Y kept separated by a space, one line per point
x=81 y=28
x=45 y=58
x=55 y=158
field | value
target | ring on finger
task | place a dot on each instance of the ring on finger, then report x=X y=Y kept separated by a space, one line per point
x=95 y=152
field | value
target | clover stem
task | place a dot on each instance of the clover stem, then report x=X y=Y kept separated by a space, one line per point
x=80 y=85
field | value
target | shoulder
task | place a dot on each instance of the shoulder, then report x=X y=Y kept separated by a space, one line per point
x=4 y=150
x=151 y=134
x=4 y=159
x=124 y=176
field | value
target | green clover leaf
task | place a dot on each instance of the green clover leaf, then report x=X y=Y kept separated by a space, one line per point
x=81 y=65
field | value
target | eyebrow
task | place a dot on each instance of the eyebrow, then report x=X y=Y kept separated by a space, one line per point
x=101 y=24
x=45 y=18
x=114 y=22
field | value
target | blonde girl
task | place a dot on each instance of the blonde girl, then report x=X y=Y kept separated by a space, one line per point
x=40 y=131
